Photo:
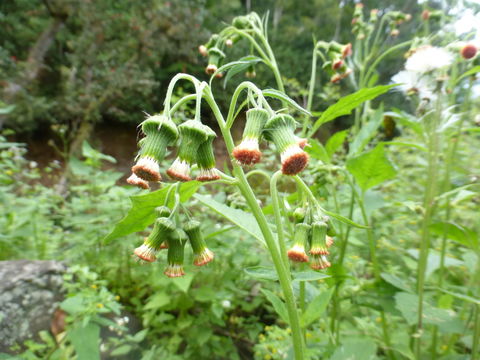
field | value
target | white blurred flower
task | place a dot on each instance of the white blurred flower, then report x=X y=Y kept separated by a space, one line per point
x=414 y=83
x=428 y=58
x=226 y=304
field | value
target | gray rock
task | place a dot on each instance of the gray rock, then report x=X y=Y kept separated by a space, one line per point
x=30 y=291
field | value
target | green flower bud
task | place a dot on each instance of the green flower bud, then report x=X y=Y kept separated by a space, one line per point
x=299 y=215
x=241 y=22
x=280 y=130
x=297 y=252
x=163 y=211
x=206 y=159
x=162 y=228
x=202 y=255
x=192 y=134
x=319 y=233
x=160 y=132
x=248 y=152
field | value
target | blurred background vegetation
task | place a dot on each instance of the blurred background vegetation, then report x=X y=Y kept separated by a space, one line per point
x=80 y=64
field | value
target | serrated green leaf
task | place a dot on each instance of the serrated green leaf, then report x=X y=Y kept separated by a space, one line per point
x=142 y=214
x=281 y=96
x=371 y=168
x=335 y=142
x=262 y=273
x=316 y=307
x=277 y=303
x=242 y=219
x=455 y=232
x=366 y=133
x=346 y=104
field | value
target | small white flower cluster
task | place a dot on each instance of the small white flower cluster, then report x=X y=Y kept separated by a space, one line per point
x=421 y=70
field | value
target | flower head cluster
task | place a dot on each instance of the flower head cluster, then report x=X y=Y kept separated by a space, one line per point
x=196 y=147
x=424 y=68
x=363 y=28
x=279 y=129
x=311 y=243
x=166 y=235
x=336 y=65
x=194 y=136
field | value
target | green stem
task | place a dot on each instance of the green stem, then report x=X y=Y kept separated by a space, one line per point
x=283 y=274
x=428 y=204
x=476 y=334
x=278 y=219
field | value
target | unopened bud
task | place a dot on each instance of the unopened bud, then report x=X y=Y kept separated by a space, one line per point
x=192 y=134
x=280 y=130
x=468 y=51
x=175 y=256
x=160 y=132
x=229 y=42
x=297 y=252
x=248 y=152
x=206 y=159
x=425 y=15
x=161 y=230
x=394 y=32
x=202 y=255
x=202 y=49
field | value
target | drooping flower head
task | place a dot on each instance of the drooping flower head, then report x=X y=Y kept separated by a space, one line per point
x=163 y=211
x=161 y=231
x=175 y=255
x=319 y=233
x=160 y=132
x=248 y=152
x=319 y=262
x=206 y=158
x=192 y=134
x=280 y=130
x=136 y=181
x=297 y=252
x=201 y=254
x=215 y=58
